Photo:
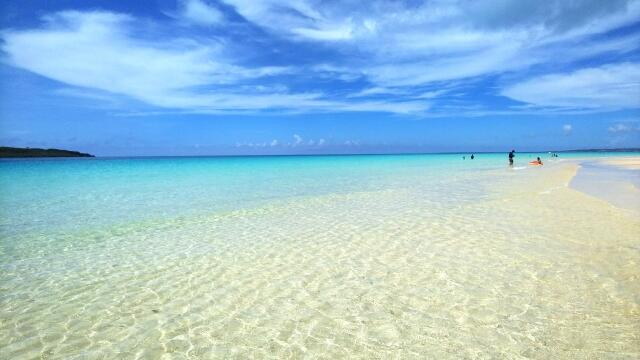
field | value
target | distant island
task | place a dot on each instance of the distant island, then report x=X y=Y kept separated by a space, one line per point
x=11 y=152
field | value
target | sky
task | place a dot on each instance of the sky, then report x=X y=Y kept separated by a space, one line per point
x=233 y=77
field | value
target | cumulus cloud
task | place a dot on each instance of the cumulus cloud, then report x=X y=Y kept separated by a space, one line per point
x=608 y=86
x=567 y=128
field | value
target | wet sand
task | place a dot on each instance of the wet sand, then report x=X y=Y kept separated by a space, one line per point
x=632 y=163
x=615 y=180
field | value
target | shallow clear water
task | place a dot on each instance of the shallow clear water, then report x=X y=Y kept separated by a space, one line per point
x=47 y=194
x=365 y=256
x=622 y=184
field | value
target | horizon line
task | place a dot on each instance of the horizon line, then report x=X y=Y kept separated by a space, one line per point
x=333 y=154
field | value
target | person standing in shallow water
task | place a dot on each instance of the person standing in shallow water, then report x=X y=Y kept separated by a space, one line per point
x=511 y=156
x=472 y=156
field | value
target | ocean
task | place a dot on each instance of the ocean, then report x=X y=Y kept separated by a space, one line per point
x=370 y=256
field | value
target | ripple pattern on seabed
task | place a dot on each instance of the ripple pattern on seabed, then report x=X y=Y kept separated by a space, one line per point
x=536 y=270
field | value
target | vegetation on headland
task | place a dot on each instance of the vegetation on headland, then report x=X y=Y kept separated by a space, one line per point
x=12 y=152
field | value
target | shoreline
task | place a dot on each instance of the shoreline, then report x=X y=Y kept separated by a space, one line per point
x=614 y=180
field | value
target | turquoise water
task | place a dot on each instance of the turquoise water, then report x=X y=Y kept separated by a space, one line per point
x=407 y=256
x=52 y=194
x=49 y=194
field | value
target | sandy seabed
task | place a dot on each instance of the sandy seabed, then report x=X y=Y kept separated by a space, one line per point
x=530 y=269
x=632 y=163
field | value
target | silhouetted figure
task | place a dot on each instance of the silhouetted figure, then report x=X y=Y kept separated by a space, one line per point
x=512 y=154
x=472 y=157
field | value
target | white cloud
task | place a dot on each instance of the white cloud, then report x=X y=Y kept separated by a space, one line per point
x=378 y=91
x=409 y=52
x=98 y=96
x=343 y=73
x=274 y=142
x=405 y=107
x=407 y=44
x=624 y=127
x=200 y=13
x=98 y=50
x=567 y=128
x=300 y=18
x=619 y=128
x=94 y=50
x=332 y=34
x=431 y=94
x=453 y=67
x=609 y=86
x=299 y=141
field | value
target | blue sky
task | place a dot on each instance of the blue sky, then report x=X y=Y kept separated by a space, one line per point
x=198 y=77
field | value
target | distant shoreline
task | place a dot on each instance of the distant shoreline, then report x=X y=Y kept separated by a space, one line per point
x=12 y=152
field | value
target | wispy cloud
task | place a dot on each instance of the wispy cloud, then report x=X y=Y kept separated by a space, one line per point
x=331 y=34
x=409 y=45
x=609 y=86
x=396 y=57
x=98 y=50
x=200 y=13
x=373 y=91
